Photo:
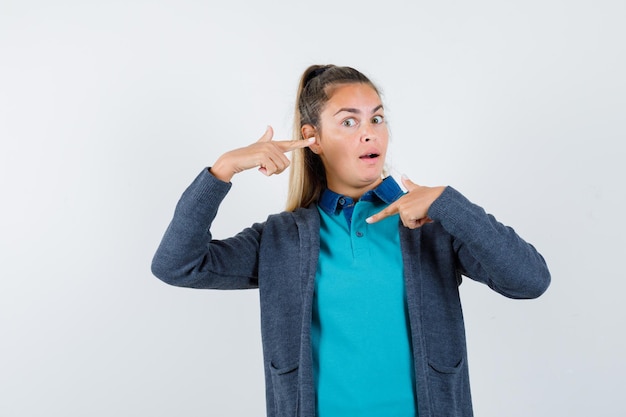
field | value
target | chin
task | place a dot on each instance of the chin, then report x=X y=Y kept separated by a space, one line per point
x=374 y=180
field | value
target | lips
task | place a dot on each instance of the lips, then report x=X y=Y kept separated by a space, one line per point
x=370 y=154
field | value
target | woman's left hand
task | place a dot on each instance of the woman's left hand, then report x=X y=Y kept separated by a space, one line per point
x=412 y=207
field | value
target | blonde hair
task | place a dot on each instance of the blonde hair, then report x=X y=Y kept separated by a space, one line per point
x=307 y=176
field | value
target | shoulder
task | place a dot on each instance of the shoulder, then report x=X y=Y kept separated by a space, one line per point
x=300 y=214
x=303 y=219
x=286 y=231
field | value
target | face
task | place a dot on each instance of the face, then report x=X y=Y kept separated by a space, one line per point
x=353 y=139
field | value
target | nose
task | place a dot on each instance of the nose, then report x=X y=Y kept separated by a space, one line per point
x=368 y=133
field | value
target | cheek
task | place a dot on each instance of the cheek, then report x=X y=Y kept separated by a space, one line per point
x=335 y=145
x=335 y=153
x=384 y=139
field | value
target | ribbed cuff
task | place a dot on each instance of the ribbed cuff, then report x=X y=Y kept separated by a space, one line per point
x=207 y=188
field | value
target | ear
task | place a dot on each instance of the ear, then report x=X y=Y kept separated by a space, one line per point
x=309 y=131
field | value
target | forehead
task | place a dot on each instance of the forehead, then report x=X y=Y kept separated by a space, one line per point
x=355 y=95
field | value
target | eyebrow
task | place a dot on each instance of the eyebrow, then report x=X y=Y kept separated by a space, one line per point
x=357 y=111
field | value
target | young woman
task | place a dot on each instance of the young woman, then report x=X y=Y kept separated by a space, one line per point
x=358 y=280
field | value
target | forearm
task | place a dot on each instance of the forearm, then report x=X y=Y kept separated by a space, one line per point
x=489 y=251
x=187 y=255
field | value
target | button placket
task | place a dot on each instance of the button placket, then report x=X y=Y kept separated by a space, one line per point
x=358 y=230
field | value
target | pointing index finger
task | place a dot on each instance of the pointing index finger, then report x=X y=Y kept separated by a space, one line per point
x=390 y=210
x=290 y=145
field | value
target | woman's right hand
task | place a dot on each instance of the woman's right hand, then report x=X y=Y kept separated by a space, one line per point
x=267 y=154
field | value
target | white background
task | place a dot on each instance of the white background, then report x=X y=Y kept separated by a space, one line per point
x=108 y=110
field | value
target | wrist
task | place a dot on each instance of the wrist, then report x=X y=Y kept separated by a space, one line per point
x=221 y=171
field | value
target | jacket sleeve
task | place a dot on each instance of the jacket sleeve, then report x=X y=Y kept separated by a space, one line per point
x=488 y=251
x=189 y=257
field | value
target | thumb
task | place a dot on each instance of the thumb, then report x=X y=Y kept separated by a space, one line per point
x=408 y=184
x=267 y=136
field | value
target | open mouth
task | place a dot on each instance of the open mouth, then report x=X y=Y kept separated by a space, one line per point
x=369 y=156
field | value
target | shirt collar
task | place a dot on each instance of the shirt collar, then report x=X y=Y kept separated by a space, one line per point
x=387 y=191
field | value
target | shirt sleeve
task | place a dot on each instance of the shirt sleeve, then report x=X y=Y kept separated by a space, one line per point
x=188 y=256
x=489 y=251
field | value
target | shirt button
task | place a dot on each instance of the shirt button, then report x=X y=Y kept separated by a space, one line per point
x=359 y=234
x=342 y=201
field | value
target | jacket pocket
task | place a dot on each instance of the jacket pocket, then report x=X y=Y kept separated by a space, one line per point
x=443 y=369
x=285 y=389
x=449 y=386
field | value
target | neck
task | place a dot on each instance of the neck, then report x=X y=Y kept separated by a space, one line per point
x=353 y=192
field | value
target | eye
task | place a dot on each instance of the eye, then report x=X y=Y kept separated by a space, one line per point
x=378 y=120
x=349 y=122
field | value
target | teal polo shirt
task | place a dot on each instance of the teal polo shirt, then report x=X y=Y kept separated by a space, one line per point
x=363 y=364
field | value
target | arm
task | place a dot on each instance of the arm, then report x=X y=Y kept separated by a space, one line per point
x=187 y=255
x=487 y=251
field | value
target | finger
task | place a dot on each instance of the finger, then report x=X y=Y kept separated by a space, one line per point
x=267 y=168
x=390 y=210
x=290 y=145
x=274 y=163
x=408 y=184
x=421 y=222
x=281 y=162
x=278 y=157
x=267 y=136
